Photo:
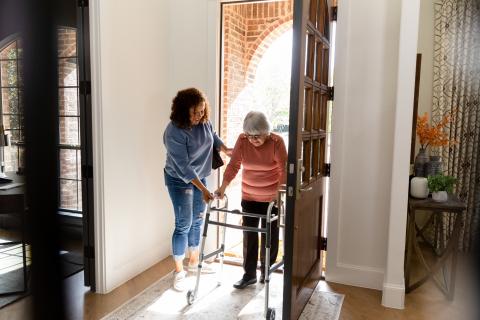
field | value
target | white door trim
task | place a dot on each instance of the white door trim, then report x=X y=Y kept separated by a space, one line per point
x=97 y=143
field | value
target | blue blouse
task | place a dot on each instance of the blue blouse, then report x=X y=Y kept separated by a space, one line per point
x=189 y=151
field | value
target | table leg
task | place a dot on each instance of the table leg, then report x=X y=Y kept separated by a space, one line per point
x=410 y=239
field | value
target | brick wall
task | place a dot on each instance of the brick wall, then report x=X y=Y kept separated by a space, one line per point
x=248 y=31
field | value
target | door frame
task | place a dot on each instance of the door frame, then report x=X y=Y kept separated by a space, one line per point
x=97 y=148
x=85 y=103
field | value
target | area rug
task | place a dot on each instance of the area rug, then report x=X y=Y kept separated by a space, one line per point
x=160 y=301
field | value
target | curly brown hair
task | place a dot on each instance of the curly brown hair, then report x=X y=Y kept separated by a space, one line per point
x=183 y=102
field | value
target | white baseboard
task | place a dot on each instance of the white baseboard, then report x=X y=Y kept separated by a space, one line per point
x=355 y=275
x=393 y=296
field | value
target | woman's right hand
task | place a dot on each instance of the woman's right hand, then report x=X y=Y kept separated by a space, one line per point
x=220 y=192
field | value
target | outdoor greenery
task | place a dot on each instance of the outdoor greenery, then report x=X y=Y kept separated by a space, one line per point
x=440 y=182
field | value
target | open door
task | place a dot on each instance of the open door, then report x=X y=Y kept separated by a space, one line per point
x=306 y=152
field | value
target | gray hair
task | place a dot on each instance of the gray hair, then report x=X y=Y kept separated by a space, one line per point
x=256 y=122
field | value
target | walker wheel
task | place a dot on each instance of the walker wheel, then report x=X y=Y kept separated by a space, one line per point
x=190 y=297
x=270 y=314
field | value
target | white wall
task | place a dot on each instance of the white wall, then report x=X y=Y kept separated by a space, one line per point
x=143 y=52
x=425 y=47
x=362 y=140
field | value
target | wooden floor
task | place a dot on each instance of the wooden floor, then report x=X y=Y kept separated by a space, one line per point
x=427 y=302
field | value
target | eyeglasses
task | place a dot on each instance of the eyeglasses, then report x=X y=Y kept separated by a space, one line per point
x=254 y=136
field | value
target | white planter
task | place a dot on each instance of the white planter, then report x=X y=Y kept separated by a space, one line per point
x=440 y=196
x=419 y=187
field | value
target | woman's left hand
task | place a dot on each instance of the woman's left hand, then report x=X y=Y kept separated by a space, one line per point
x=207 y=196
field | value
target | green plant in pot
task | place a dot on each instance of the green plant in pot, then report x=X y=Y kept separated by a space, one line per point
x=440 y=185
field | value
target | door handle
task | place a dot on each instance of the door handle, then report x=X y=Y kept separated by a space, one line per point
x=300 y=170
x=306 y=189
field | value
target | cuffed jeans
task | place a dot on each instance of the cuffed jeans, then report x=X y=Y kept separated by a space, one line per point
x=188 y=206
x=250 y=239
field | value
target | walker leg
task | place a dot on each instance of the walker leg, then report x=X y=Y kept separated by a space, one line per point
x=268 y=239
x=192 y=294
x=222 y=253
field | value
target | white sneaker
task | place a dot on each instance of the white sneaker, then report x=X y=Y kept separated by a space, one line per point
x=206 y=268
x=179 y=281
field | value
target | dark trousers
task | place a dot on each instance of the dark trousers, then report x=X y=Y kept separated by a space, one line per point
x=250 y=239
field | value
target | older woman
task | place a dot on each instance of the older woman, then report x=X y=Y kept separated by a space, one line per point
x=263 y=157
x=189 y=138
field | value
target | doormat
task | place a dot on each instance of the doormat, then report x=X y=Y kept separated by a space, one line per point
x=161 y=301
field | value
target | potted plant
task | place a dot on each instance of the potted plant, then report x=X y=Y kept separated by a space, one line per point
x=440 y=186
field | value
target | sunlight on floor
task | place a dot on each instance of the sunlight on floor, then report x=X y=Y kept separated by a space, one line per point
x=214 y=300
x=11 y=257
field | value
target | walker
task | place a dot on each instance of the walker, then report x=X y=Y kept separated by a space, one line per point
x=270 y=218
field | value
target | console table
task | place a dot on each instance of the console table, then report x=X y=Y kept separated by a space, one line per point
x=414 y=233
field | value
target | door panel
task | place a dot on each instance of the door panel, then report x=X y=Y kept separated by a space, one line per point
x=306 y=151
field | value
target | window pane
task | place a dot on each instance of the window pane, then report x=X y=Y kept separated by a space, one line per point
x=11 y=158
x=67 y=72
x=79 y=198
x=19 y=49
x=10 y=51
x=79 y=164
x=8 y=122
x=20 y=73
x=68 y=164
x=68 y=194
x=14 y=122
x=69 y=133
x=67 y=42
x=10 y=100
x=8 y=69
x=68 y=102
x=20 y=101
x=15 y=135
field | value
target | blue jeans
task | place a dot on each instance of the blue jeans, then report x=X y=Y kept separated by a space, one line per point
x=188 y=206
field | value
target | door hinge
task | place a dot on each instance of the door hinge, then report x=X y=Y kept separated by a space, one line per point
x=323 y=243
x=87 y=172
x=326 y=170
x=330 y=93
x=290 y=191
x=83 y=3
x=89 y=252
x=85 y=87
x=334 y=13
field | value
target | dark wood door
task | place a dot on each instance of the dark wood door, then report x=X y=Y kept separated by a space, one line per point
x=306 y=152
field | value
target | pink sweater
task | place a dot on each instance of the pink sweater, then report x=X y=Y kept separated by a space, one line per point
x=264 y=167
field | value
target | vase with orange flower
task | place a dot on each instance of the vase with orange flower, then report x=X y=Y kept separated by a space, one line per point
x=420 y=161
x=434 y=136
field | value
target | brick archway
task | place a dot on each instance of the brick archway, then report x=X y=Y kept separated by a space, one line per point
x=249 y=29
x=264 y=41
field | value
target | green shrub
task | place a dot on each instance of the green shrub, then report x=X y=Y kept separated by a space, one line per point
x=440 y=182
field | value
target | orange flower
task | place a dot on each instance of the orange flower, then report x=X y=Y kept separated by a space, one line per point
x=433 y=135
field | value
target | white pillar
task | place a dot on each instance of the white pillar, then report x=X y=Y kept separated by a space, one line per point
x=394 y=285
